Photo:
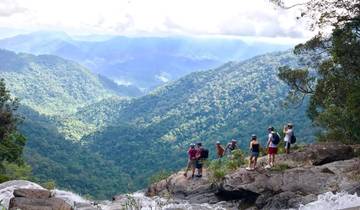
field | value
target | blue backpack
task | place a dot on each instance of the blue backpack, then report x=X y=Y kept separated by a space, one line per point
x=275 y=138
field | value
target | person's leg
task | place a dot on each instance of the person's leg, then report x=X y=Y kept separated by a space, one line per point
x=255 y=161
x=187 y=168
x=250 y=161
x=273 y=159
x=286 y=148
x=199 y=168
x=289 y=145
x=269 y=159
x=193 y=170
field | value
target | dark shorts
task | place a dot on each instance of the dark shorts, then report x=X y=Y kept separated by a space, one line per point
x=272 y=150
x=199 y=164
x=254 y=154
x=287 y=145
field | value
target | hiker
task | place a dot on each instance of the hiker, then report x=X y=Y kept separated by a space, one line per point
x=231 y=147
x=219 y=150
x=289 y=137
x=255 y=150
x=201 y=155
x=191 y=160
x=273 y=141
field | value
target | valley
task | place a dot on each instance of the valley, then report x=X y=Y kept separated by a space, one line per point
x=118 y=142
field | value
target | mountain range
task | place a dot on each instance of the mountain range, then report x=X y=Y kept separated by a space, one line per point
x=87 y=138
x=144 y=62
x=52 y=85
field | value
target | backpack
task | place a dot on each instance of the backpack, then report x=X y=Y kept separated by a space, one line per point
x=204 y=153
x=275 y=138
x=293 y=139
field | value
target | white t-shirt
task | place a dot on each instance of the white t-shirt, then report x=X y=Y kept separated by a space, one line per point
x=288 y=135
x=272 y=145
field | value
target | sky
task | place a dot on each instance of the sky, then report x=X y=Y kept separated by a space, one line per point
x=233 y=18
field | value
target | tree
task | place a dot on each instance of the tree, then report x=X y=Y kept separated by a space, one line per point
x=331 y=76
x=11 y=141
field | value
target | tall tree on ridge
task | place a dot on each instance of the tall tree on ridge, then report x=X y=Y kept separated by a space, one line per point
x=331 y=77
x=11 y=141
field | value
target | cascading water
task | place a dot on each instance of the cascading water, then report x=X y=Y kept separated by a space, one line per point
x=330 y=201
x=137 y=200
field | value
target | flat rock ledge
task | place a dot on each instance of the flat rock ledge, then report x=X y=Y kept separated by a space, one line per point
x=310 y=171
x=36 y=199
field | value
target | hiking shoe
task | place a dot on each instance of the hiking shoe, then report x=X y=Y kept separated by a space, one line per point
x=199 y=175
x=267 y=166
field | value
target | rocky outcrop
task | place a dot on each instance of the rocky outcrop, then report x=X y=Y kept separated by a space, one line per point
x=32 y=193
x=36 y=199
x=7 y=190
x=313 y=170
x=21 y=194
x=38 y=204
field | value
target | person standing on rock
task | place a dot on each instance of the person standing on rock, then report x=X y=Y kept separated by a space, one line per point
x=219 y=150
x=273 y=141
x=231 y=147
x=289 y=133
x=255 y=150
x=191 y=160
x=199 y=159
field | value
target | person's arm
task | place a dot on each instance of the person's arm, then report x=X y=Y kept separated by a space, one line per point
x=198 y=154
x=250 y=145
x=269 y=140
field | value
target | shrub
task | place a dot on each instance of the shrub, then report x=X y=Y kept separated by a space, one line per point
x=236 y=159
x=220 y=167
x=50 y=185
x=218 y=170
x=3 y=178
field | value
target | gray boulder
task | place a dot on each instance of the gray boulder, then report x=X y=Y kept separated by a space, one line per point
x=38 y=204
x=32 y=193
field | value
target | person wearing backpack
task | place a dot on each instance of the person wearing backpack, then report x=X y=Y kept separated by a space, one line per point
x=201 y=155
x=273 y=141
x=289 y=137
x=191 y=160
x=231 y=147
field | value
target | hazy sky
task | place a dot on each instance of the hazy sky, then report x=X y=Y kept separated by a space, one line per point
x=253 y=18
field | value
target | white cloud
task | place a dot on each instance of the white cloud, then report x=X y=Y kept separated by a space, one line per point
x=154 y=17
x=9 y=8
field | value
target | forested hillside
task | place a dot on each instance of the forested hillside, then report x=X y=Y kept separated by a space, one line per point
x=52 y=85
x=231 y=101
x=122 y=143
x=69 y=164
